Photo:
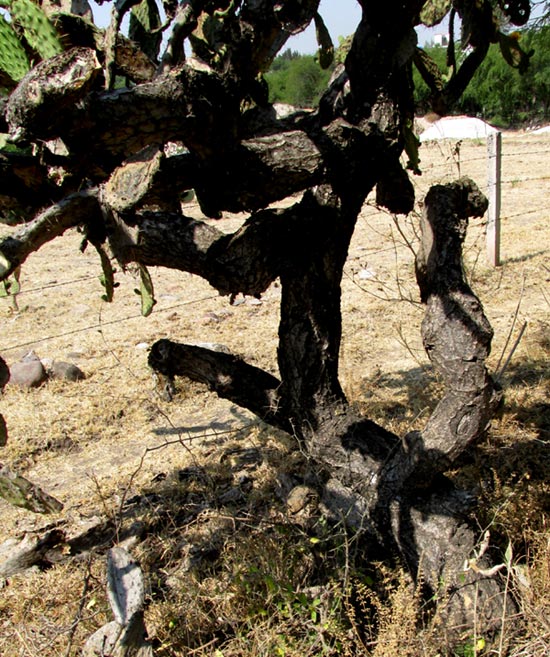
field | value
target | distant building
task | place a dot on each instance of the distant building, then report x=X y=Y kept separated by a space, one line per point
x=441 y=40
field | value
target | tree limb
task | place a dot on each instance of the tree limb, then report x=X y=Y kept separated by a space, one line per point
x=246 y=261
x=225 y=374
x=457 y=337
x=82 y=207
x=258 y=172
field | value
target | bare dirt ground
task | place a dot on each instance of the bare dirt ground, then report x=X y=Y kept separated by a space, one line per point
x=95 y=443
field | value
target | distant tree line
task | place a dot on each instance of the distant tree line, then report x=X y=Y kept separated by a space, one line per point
x=297 y=79
x=498 y=93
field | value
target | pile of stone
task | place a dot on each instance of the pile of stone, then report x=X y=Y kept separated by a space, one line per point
x=31 y=371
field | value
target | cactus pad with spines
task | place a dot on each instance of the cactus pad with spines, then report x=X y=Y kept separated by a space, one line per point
x=39 y=33
x=13 y=58
x=144 y=20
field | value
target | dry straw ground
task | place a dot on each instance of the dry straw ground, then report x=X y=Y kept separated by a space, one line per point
x=231 y=570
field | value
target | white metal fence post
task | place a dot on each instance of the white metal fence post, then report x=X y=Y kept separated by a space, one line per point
x=494 y=157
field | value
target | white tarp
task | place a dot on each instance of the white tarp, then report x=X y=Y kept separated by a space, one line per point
x=458 y=127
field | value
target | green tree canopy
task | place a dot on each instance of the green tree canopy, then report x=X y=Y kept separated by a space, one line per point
x=503 y=95
x=498 y=92
x=296 y=80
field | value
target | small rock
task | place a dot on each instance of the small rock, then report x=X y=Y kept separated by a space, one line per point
x=80 y=310
x=29 y=357
x=47 y=363
x=215 y=318
x=66 y=371
x=299 y=497
x=213 y=346
x=103 y=641
x=142 y=345
x=366 y=274
x=28 y=374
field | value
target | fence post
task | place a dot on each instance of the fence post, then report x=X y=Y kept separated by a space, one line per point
x=494 y=151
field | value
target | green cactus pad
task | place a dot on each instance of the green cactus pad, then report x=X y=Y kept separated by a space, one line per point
x=144 y=19
x=13 y=58
x=39 y=32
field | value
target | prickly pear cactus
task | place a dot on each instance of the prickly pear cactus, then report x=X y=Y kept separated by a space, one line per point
x=434 y=11
x=144 y=20
x=13 y=58
x=146 y=291
x=325 y=54
x=39 y=33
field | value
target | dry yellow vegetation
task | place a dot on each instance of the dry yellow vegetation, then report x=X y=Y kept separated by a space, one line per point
x=197 y=482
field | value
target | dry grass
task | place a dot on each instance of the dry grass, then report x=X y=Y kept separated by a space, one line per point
x=200 y=483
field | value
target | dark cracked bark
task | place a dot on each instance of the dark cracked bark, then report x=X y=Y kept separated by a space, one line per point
x=311 y=324
x=225 y=374
x=243 y=159
x=81 y=207
x=391 y=488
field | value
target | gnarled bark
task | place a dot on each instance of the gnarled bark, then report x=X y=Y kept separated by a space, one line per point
x=226 y=375
x=390 y=487
x=245 y=159
x=77 y=208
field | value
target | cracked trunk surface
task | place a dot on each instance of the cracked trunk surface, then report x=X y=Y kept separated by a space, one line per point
x=239 y=153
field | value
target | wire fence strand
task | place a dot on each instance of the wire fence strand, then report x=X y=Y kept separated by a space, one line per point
x=99 y=325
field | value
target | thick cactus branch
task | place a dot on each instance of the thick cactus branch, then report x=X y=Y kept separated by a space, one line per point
x=193 y=105
x=260 y=171
x=46 y=97
x=269 y=243
x=457 y=338
x=82 y=207
x=227 y=375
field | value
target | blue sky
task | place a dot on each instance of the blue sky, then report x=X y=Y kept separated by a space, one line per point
x=341 y=18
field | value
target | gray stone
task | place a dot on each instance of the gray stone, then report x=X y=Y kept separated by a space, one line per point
x=300 y=497
x=66 y=371
x=28 y=374
x=213 y=346
x=29 y=357
x=80 y=310
x=47 y=363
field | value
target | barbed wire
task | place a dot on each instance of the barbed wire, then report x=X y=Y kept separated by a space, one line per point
x=524 y=212
x=52 y=285
x=453 y=159
x=459 y=160
x=511 y=181
x=99 y=325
